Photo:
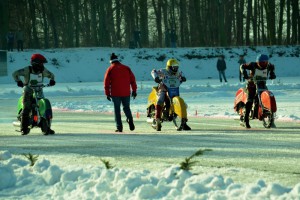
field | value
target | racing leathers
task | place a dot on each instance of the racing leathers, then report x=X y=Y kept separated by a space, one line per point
x=256 y=80
x=30 y=76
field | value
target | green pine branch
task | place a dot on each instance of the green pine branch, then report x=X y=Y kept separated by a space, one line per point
x=32 y=158
x=107 y=164
x=188 y=163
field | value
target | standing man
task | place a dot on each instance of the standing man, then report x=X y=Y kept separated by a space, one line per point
x=19 y=38
x=241 y=61
x=221 y=66
x=117 y=82
x=10 y=40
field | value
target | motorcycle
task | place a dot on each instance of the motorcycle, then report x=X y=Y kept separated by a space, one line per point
x=174 y=108
x=263 y=108
x=41 y=111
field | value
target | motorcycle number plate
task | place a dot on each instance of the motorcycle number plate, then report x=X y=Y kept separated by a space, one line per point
x=172 y=82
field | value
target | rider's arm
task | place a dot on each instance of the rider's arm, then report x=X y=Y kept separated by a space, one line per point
x=271 y=71
x=244 y=68
x=182 y=77
x=156 y=75
x=48 y=74
x=16 y=75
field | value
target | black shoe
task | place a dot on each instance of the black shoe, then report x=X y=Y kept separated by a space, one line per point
x=157 y=124
x=247 y=125
x=131 y=124
x=186 y=127
x=49 y=132
x=25 y=131
x=119 y=130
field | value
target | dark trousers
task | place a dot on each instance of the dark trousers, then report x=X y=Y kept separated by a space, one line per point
x=222 y=73
x=20 y=45
x=125 y=101
x=10 y=46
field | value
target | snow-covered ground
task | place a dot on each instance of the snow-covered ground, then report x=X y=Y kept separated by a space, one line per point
x=243 y=164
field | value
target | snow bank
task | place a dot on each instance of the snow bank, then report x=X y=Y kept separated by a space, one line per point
x=46 y=181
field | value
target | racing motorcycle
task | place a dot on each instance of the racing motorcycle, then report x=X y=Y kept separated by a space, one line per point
x=263 y=108
x=41 y=111
x=174 y=108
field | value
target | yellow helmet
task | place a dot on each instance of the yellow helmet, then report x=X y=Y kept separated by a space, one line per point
x=172 y=65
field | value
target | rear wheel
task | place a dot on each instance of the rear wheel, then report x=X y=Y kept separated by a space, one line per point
x=45 y=126
x=268 y=120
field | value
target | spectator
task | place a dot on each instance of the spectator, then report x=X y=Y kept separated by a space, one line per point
x=173 y=38
x=117 y=82
x=137 y=39
x=241 y=61
x=221 y=66
x=19 y=38
x=167 y=38
x=10 y=41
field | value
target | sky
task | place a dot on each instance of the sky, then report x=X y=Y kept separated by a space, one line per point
x=79 y=89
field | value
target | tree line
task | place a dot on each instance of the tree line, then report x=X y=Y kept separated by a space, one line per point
x=150 y=23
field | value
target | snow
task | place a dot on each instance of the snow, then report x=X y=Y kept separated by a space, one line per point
x=79 y=89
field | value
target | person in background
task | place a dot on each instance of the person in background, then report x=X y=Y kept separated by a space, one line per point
x=241 y=61
x=173 y=38
x=19 y=38
x=118 y=80
x=36 y=71
x=259 y=72
x=221 y=66
x=10 y=37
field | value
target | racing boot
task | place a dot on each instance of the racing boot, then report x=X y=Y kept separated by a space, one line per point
x=247 y=112
x=184 y=126
x=157 y=122
x=24 y=124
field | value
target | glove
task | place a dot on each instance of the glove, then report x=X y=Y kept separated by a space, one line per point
x=133 y=94
x=20 y=84
x=157 y=80
x=272 y=76
x=52 y=82
x=183 y=79
x=108 y=97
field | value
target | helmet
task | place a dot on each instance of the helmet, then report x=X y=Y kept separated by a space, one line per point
x=262 y=61
x=37 y=62
x=262 y=58
x=38 y=59
x=172 y=65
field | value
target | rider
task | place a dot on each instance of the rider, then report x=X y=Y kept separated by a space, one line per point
x=37 y=72
x=259 y=72
x=158 y=76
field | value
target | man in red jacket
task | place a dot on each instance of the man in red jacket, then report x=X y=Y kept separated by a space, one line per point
x=117 y=82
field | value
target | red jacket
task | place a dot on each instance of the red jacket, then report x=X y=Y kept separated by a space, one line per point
x=117 y=80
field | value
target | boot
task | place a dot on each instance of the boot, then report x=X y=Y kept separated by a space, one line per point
x=246 y=118
x=184 y=126
x=157 y=122
x=24 y=125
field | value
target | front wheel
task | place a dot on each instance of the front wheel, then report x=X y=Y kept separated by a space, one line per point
x=268 y=120
x=176 y=121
